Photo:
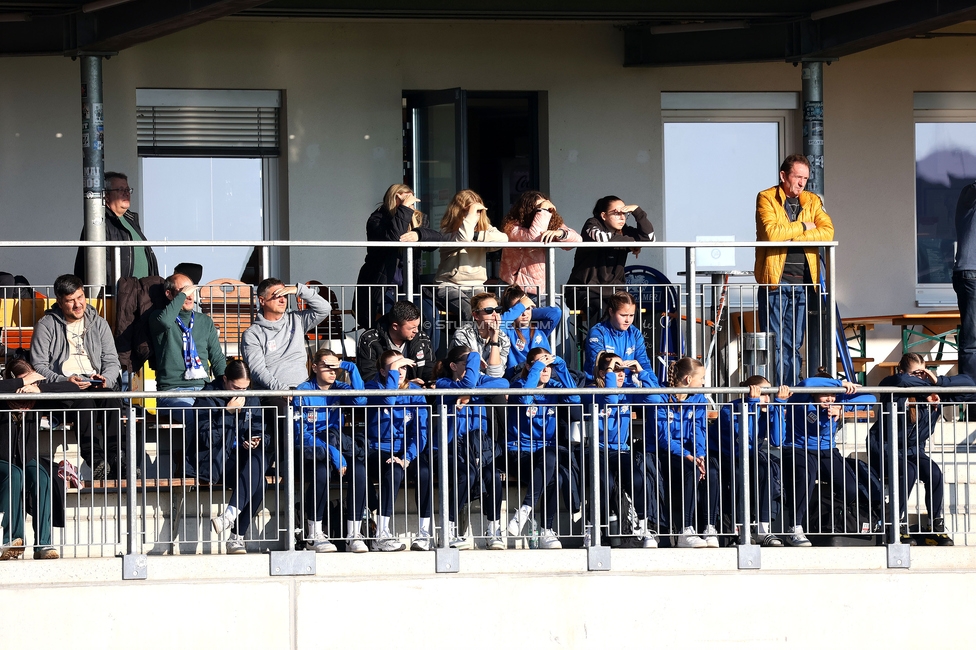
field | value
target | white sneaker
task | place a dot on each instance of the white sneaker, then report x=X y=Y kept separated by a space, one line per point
x=517 y=523
x=220 y=524
x=650 y=540
x=356 y=545
x=235 y=545
x=711 y=536
x=690 y=539
x=319 y=543
x=388 y=544
x=797 y=538
x=548 y=539
x=422 y=542
x=493 y=538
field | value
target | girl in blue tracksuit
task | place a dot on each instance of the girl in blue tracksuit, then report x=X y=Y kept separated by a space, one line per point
x=633 y=471
x=527 y=327
x=319 y=440
x=233 y=441
x=812 y=422
x=471 y=448
x=532 y=446
x=682 y=439
x=766 y=422
x=396 y=435
x=616 y=333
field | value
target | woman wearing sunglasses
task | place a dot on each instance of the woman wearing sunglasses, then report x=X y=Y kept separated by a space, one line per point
x=486 y=335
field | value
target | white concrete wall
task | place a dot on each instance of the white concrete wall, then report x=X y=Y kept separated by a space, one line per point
x=344 y=81
x=802 y=598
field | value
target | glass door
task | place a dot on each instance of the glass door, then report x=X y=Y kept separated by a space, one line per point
x=436 y=164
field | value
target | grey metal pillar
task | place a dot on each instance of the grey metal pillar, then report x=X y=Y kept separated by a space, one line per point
x=813 y=131
x=93 y=164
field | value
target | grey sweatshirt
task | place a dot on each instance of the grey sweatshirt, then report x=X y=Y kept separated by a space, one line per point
x=50 y=349
x=275 y=350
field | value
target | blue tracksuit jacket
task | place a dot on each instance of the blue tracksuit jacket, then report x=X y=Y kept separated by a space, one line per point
x=763 y=423
x=681 y=426
x=807 y=425
x=399 y=424
x=473 y=415
x=318 y=414
x=532 y=425
x=544 y=320
x=628 y=344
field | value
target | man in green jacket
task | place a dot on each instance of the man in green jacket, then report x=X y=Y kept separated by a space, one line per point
x=186 y=346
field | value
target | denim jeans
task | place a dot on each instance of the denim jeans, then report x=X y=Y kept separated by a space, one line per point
x=964 y=284
x=783 y=313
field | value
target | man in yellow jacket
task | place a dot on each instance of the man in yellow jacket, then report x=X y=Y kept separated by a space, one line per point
x=788 y=213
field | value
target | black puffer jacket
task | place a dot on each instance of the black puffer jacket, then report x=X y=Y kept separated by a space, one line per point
x=606 y=265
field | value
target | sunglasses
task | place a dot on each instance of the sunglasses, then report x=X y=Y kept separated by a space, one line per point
x=490 y=310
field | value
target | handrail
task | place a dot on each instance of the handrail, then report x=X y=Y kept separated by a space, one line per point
x=284 y=243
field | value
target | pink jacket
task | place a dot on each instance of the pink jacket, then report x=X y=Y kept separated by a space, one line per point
x=526 y=267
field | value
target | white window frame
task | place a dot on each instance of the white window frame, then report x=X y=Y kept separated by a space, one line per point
x=731 y=107
x=270 y=209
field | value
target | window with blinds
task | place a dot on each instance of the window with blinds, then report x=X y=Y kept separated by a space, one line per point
x=208 y=123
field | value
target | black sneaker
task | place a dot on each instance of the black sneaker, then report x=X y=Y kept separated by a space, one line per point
x=101 y=471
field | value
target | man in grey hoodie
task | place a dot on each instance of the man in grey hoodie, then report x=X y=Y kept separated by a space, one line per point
x=274 y=345
x=73 y=343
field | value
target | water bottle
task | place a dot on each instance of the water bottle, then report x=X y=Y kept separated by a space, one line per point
x=533 y=534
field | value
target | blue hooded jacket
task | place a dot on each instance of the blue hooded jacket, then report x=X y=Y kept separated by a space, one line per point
x=808 y=426
x=765 y=422
x=532 y=424
x=615 y=413
x=628 y=345
x=544 y=319
x=472 y=416
x=399 y=424
x=318 y=414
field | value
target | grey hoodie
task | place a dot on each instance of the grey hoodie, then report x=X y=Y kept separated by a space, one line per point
x=50 y=349
x=275 y=350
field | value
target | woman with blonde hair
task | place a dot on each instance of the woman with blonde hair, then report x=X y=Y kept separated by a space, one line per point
x=396 y=219
x=462 y=273
x=533 y=218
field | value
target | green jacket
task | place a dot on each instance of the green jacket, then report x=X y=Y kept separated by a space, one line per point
x=167 y=341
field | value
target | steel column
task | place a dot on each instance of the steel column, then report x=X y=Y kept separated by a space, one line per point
x=813 y=132
x=93 y=165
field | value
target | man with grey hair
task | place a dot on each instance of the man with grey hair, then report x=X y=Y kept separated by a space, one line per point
x=121 y=224
x=73 y=343
x=274 y=345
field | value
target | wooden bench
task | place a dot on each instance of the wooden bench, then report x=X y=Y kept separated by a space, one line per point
x=931 y=364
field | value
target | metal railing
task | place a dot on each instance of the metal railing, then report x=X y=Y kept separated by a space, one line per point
x=522 y=474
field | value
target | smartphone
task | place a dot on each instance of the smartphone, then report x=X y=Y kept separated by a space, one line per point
x=95 y=382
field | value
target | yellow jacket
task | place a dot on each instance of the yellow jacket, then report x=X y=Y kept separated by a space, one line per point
x=772 y=224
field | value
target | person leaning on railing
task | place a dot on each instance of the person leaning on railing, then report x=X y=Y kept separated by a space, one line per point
x=471 y=449
x=21 y=467
x=232 y=446
x=603 y=268
x=397 y=330
x=766 y=422
x=810 y=452
x=397 y=434
x=623 y=469
x=462 y=270
x=532 y=218
x=533 y=449
x=397 y=219
x=923 y=411
x=321 y=439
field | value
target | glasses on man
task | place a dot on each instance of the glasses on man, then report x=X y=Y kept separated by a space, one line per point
x=490 y=310
x=124 y=191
